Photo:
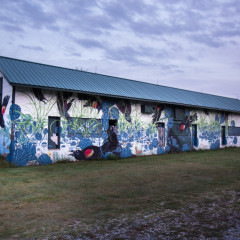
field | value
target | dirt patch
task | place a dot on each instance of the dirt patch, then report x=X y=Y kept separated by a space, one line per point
x=211 y=217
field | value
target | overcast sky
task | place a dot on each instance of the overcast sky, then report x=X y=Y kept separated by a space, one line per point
x=189 y=44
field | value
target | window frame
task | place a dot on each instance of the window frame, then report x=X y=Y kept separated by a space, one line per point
x=58 y=133
x=176 y=115
x=231 y=131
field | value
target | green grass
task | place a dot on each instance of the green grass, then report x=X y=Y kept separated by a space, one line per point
x=36 y=201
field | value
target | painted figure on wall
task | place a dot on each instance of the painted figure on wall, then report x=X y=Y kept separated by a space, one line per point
x=94 y=152
x=39 y=95
x=94 y=102
x=3 y=107
x=157 y=113
x=64 y=104
x=179 y=134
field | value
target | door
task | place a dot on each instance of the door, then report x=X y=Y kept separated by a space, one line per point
x=223 y=135
x=161 y=134
x=194 y=135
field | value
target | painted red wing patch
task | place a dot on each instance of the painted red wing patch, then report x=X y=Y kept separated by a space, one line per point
x=182 y=127
x=94 y=104
x=88 y=153
x=3 y=109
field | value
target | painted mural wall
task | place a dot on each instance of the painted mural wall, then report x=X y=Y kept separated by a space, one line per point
x=51 y=126
x=5 y=120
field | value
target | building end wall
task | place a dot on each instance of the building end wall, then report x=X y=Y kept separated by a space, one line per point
x=5 y=119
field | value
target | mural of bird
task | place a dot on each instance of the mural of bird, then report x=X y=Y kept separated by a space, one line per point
x=88 y=153
x=39 y=95
x=64 y=105
x=3 y=107
x=95 y=152
x=187 y=122
x=125 y=108
x=94 y=103
x=111 y=143
x=157 y=114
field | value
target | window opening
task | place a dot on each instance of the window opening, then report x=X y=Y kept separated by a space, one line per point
x=53 y=132
x=224 y=140
x=234 y=131
x=194 y=135
x=179 y=113
x=112 y=125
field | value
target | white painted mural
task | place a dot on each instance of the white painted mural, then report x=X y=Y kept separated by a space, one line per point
x=5 y=120
x=51 y=126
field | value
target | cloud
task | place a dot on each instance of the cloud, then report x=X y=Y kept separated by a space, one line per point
x=32 y=48
x=125 y=11
x=158 y=39
x=11 y=28
x=28 y=13
x=208 y=40
x=89 y=43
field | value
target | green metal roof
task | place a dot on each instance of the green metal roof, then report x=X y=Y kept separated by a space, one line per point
x=19 y=72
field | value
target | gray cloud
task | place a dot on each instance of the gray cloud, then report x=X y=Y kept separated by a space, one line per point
x=208 y=40
x=27 y=13
x=171 y=37
x=11 y=28
x=89 y=43
x=34 y=48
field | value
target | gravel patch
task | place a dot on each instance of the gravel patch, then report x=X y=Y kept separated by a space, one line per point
x=213 y=217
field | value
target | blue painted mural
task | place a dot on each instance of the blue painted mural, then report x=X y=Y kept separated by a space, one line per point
x=51 y=126
x=80 y=137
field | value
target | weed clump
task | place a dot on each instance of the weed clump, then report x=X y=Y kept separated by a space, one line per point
x=4 y=163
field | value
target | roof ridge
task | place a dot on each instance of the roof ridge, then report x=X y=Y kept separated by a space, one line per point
x=142 y=82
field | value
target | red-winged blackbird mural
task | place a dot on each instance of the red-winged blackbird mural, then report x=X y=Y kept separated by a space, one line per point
x=3 y=107
x=157 y=113
x=95 y=152
x=64 y=104
x=179 y=134
x=39 y=95
x=187 y=122
x=94 y=103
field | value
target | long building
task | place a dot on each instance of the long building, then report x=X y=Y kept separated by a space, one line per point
x=51 y=113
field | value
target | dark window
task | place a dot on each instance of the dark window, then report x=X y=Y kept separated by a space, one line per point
x=112 y=124
x=84 y=127
x=147 y=109
x=161 y=134
x=53 y=132
x=224 y=140
x=1 y=88
x=206 y=111
x=179 y=114
x=234 y=131
x=194 y=135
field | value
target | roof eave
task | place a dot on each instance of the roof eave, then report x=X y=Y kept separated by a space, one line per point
x=123 y=97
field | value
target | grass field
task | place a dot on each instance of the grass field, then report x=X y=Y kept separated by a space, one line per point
x=48 y=201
